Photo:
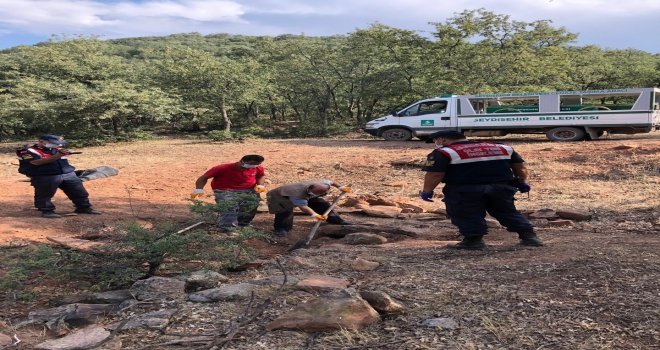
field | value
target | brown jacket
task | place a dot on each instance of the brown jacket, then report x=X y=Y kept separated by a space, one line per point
x=278 y=199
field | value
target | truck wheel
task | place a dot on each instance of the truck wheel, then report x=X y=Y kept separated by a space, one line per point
x=397 y=135
x=566 y=134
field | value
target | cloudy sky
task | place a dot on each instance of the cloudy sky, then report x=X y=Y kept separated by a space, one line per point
x=608 y=23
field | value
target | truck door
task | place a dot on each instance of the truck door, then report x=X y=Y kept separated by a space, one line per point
x=427 y=117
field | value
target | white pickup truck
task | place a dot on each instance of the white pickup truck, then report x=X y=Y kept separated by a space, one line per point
x=561 y=115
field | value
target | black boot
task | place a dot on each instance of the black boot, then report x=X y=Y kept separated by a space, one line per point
x=469 y=243
x=529 y=238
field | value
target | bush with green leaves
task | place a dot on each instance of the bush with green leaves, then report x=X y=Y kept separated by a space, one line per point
x=134 y=253
x=219 y=135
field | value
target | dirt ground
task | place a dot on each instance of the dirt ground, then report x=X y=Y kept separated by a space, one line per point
x=594 y=286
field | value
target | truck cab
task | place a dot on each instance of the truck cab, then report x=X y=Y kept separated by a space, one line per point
x=419 y=119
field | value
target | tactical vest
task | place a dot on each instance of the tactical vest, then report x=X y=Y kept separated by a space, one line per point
x=477 y=162
x=28 y=154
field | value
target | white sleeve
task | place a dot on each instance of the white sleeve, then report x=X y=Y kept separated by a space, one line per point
x=327 y=182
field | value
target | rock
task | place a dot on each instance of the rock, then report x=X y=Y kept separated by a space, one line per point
x=382 y=202
x=492 y=223
x=5 y=340
x=81 y=245
x=527 y=212
x=410 y=208
x=362 y=238
x=430 y=218
x=439 y=212
x=397 y=184
x=403 y=215
x=322 y=284
x=325 y=314
x=560 y=223
x=153 y=320
x=622 y=147
x=360 y=264
x=586 y=226
x=291 y=279
x=539 y=222
x=580 y=215
x=82 y=339
x=202 y=279
x=381 y=301
x=248 y=265
x=352 y=202
x=74 y=314
x=232 y=292
x=158 y=288
x=382 y=211
x=446 y=323
x=111 y=297
x=543 y=214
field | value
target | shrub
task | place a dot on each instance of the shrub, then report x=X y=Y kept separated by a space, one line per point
x=135 y=253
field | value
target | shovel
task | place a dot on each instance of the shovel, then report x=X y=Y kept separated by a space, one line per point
x=303 y=243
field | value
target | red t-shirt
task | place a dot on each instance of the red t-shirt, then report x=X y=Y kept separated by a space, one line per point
x=229 y=177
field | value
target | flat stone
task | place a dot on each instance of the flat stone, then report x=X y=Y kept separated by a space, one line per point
x=382 y=211
x=254 y=264
x=158 y=288
x=81 y=245
x=381 y=301
x=439 y=211
x=446 y=323
x=322 y=284
x=5 y=340
x=353 y=201
x=362 y=238
x=560 y=223
x=492 y=223
x=411 y=208
x=430 y=218
x=579 y=215
x=360 y=264
x=74 y=314
x=232 y=292
x=543 y=214
x=110 y=297
x=202 y=279
x=325 y=314
x=383 y=202
x=81 y=339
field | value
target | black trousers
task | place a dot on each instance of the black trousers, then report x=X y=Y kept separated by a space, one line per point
x=467 y=206
x=284 y=220
x=45 y=187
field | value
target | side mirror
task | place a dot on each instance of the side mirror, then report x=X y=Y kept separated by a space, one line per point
x=394 y=113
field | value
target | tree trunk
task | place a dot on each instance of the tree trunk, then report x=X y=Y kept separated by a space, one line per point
x=225 y=118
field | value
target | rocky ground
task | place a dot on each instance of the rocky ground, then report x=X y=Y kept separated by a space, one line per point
x=594 y=286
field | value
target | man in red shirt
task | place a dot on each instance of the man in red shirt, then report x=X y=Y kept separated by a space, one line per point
x=246 y=176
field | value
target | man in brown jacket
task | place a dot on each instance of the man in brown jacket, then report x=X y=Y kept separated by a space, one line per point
x=306 y=196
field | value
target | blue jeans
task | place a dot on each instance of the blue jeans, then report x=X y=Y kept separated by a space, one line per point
x=242 y=213
x=45 y=187
x=467 y=206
